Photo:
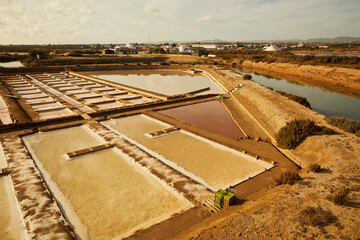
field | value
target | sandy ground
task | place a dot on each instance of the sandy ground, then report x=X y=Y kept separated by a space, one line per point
x=100 y=186
x=204 y=159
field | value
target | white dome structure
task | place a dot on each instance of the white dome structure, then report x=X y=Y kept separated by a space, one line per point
x=272 y=48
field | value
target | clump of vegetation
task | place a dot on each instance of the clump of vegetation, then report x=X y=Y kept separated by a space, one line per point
x=317 y=217
x=285 y=57
x=294 y=132
x=315 y=168
x=341 y=197
x=159 y=50
x=287 y=178
x=346 y=124
x=303 y=101
x=215 y=63
x=247 y=77
x=328 y=131
x=357 y=133
x=34 y=53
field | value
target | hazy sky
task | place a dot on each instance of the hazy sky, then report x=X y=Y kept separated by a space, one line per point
x=108 y=21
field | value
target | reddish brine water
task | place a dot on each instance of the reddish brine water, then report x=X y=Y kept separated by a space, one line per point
x=211 y=115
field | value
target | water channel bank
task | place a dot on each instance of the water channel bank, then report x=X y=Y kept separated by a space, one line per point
x=324 y=101
x=343 y=80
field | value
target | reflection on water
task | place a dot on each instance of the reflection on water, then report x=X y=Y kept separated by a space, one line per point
x=164 y=84
x=323 y=101
x=209 y=115
x=11 y=64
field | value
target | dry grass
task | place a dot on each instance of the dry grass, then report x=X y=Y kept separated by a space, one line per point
x=315 y=168
x=341 y=197
x=286 y=178
x=317 y=217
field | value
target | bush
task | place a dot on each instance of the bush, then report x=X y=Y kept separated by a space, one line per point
x=328 y=131
x=345 y=124
x=294 y=132
x=287 y=178
x=215 y=63
x=357 y=133
x=341 y=197
x=247 y=77
x=303 y=101
x=315 y=168
x=316 y=217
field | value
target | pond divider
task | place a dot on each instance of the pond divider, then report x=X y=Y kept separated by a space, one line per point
x=89 y=150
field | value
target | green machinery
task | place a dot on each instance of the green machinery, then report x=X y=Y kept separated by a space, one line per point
x=223 y=198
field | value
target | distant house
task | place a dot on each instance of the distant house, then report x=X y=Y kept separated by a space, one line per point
x=107 y=51
x=272 y=48
x=198 y=51
x=117 y=50
x=207 y=46
x=184 y=48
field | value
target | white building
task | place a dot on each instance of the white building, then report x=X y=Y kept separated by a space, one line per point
x=272 y=48
x=130 y=45
x=183 y=48
x=117 y=50
x=207 y=46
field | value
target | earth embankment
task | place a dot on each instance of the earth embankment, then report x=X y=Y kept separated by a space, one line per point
x=344 y=79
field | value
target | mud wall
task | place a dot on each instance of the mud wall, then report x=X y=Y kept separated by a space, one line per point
x=344 y=78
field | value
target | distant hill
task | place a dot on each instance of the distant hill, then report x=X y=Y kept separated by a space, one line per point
x=337 y=39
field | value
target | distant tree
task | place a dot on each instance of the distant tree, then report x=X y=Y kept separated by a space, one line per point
x=159 y=50
x=32 y=53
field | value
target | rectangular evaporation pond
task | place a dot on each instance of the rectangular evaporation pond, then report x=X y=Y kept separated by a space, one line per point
x=40 y=100
x=46 y=105
x=109 y=105
x=137 y=101
x=35 y=96
x=87 y=95
x=29 y=88
x=209 y=163
x=210 y=115
x=95 y=100
x=29 y=92
x=55 y=113
x=79 y=91
x=107 y=192
x=171 y=83
x=104 y=89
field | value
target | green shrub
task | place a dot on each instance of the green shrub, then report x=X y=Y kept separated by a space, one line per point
x=294 y=132
x=215 y=63
x=247 y=77
x=287 y=178
x=315 y=168
x=341 y=197
x=345 y=124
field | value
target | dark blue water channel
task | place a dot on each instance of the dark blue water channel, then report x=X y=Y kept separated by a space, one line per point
x=323 y=101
